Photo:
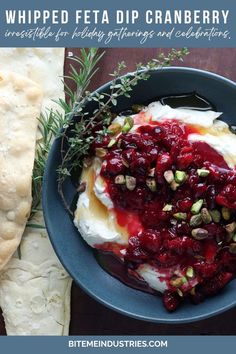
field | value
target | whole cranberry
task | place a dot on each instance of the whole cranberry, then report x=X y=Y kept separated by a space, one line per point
x=114 y=166
x=184 y=160
x=164 y=162
x=171 y=301
x=139 y=166
x=184 y=204
x=199 y=190
x=151 y=240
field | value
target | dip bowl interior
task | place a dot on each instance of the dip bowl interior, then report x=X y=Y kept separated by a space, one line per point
x=78 y=258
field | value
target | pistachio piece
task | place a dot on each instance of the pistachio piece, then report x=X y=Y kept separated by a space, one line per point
x=190 y=272
x=196 y=207
x=151 y=172
x=180 y=216
x=180 y=176
x=100 y=152
x=216 y=215
x=206 y=216
x=128 y=124
x=130 y=182
x=199 y=234
x=114 y=128
x=230 y=228
x=111 y=143
x=169 y=176
x=178 y=282
x=151 y=183
x=179 y=292
x=119 y=143
x=120 y=179
x=125 y=163
x=234 y=238
x=193 y=291
x=137 y=108
x=167 y=207
x=195 y=220
x=226 y=213
x=232 y=248
x=174 y=185
x=203 y=172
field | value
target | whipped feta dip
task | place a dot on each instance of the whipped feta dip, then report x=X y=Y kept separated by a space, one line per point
x=98 y=228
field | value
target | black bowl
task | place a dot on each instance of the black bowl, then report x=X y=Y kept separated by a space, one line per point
x=78 y=258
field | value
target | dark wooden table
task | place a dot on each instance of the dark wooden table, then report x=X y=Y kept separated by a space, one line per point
x=91 y=318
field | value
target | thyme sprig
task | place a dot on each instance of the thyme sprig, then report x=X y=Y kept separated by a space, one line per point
x=90 y=127
x=52 y=121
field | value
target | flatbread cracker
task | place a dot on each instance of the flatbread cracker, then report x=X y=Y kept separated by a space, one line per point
x=20 y=103
x=34 y=287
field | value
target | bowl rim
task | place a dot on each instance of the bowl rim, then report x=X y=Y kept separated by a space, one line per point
x=79 y=282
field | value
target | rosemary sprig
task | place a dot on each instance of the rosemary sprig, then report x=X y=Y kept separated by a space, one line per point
x=52 y=121
x=91 y=127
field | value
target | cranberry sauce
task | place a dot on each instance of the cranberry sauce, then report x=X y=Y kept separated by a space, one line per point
x=184 y=196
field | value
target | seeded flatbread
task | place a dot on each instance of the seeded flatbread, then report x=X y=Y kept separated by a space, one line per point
x=20 y=102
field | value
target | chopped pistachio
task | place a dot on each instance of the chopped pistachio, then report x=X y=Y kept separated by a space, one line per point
x=167 y=207
x=119 y=143
x=130 y=182
x=100 y=152
x=120 y=179
x=196 y=207
x=169 y=176
x=128 y=124
x=232 y=248
x=125 y=163
x=174 y=185
x=199 y=233
x=151 y=183
x=230 y=228
x=226 y=213
x=114 y=128
x=179 y=292
x=195 y=220
x=151 y=172
x=180 y=176
x=234 y=238
x=193 y=291
x=137 y=108
x=216 y=215
x=206 y=216
x=111 y=143
x=180 y=216
x=203 y=172
x=126 y=128
x=178 y=282
x=190 y=272
x=130 y=121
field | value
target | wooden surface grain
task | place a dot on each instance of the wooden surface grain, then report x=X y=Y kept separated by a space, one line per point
x=91 y=318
